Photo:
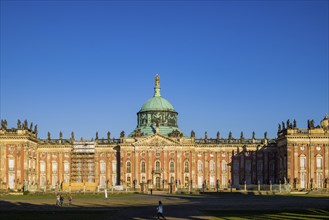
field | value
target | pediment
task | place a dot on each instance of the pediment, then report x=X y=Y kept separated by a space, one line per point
x=157 y=140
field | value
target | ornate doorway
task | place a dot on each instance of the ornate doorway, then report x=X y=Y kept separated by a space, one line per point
x=157 y=183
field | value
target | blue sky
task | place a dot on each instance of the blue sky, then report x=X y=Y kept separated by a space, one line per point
x=88 y=66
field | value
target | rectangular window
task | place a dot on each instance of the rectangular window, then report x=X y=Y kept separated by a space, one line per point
x=212 y=166
x=302 y=162
x=143 y=167
x=66 y=167
x=103 y=167
x=114 y=167
x=42 y=166
x=200 y=167
x=54 y=167
x=319 y=163
x=224 y=166
x=11 y=164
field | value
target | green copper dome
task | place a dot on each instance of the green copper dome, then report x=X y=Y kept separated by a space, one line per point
x=157 y=103
x=157 y=115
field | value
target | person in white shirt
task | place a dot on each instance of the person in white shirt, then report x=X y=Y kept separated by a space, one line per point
x=160 y=210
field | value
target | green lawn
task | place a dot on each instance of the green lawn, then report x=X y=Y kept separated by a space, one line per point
x=74 y=195
x=60 y=215
x=277 y=214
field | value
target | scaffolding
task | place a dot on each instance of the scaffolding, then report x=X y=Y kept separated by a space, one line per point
x=83 y=162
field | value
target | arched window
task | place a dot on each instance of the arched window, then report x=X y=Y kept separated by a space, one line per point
x=157 y=166
x=172 y=166
x=199 y=166
x=186 y=167
x=143 y=169
x=128 y=167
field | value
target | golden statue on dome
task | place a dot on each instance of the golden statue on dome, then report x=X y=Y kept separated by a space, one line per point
x=157 y=80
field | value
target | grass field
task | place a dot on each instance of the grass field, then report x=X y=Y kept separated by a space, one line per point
x=277 y=214
x=57 y=215
x=139 y=206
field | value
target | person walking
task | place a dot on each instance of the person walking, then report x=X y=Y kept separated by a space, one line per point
x=70 y=200
x=160 y=210
x=58 y=200
x=61 y=198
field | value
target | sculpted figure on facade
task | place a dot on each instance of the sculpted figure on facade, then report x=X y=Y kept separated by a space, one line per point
x=26 y=126
x=230 y=135
x=175 y=133
x=4 y=124
x=288 y=123
x=138 y=133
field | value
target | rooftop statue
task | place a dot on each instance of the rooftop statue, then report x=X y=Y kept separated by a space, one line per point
x=4 y=124
x=192 y=134
x=108 y=135
x=295 y=123
x=36 y=129
x=25 y=124
x=19 y=124
x=60 y=135
x=72 y=135
x=122 y=134
x=48 y=135
x=175 y=133
x=157 y=80
x=96 y=136
x=265 y=135
x=217 y=135
x=230 y=135
x=253 y=134
x=206 y=135
x=31 y=126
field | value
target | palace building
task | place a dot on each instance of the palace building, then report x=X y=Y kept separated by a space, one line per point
x=158 y=155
